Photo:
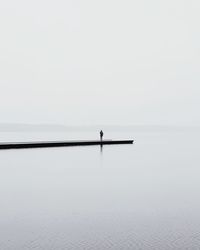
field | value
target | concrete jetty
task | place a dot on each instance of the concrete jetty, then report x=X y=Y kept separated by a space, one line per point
x=49 y=144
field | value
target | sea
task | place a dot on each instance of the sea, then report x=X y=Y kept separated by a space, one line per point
x=144 y=196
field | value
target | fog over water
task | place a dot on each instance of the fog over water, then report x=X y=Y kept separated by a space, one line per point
x=142 y=196
x=100 y=62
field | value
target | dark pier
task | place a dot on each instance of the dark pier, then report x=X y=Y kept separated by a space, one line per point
x=50 y=144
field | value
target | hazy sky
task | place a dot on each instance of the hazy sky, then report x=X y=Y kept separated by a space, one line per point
x=100 y=62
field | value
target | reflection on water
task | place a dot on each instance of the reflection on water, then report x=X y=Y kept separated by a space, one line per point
x=101 y=149
x=141 y=196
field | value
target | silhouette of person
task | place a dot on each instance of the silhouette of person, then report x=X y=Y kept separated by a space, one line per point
x=101 y=135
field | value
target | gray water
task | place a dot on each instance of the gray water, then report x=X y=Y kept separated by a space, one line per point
x=142 y=196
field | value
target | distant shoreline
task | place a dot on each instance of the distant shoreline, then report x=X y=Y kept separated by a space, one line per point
x=17 y=127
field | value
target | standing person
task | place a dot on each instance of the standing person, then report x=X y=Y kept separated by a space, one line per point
x=101 y=135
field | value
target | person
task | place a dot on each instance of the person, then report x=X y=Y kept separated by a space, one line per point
x=101 y=135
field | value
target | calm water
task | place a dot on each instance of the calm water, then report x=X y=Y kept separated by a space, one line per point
x=141 y=196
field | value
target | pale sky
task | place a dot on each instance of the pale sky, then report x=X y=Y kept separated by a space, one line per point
x=100 y=62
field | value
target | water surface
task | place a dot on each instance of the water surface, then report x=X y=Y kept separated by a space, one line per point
x=142 y=196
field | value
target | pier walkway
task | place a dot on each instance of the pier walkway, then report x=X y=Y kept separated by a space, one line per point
x=48 y=144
